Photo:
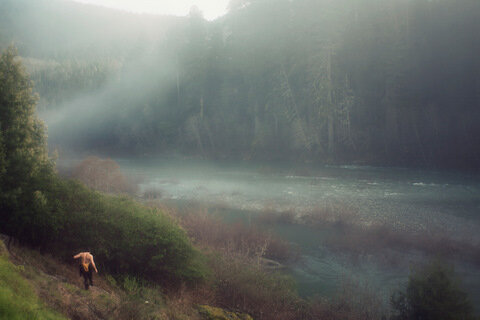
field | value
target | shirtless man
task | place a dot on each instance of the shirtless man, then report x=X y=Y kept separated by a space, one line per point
x=86 y=266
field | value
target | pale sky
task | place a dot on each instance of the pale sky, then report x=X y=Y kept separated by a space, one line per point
x=211 y=8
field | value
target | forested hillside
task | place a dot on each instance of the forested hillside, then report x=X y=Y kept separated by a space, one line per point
x=392 y=82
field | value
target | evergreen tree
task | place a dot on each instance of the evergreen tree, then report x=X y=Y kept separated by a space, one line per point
x=24 y=163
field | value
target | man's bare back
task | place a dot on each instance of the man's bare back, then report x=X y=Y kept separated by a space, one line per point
x=86 y=259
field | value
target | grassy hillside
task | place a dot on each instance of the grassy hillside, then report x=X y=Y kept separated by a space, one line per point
x=36 y=286
x=17 y=297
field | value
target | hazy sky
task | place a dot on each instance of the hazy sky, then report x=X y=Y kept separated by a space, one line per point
x=211 y=8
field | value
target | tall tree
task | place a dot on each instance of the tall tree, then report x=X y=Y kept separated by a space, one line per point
x=24 y=163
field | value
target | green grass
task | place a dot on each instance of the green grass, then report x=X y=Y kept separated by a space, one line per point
x=17 y=297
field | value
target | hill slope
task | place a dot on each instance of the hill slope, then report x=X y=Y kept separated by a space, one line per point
x=36 y=286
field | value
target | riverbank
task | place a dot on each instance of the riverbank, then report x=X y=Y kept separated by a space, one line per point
x=46 y=288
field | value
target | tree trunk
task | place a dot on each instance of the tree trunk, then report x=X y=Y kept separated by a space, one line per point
x=331 y=136
x=330 y=117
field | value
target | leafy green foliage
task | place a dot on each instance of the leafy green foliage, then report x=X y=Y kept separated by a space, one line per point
x=40 y=209
x=125 y=237
x=433 y=292
x=24 y=163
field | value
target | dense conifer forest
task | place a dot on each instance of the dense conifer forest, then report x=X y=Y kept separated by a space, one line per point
x=371 y=82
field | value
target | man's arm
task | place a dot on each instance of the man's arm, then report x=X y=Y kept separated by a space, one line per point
x=77 y=256
x=93 y=264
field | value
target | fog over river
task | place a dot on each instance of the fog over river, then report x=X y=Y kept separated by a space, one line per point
x=440 y=205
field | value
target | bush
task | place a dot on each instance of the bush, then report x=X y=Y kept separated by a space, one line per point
x=248 y=288
x=125 y=237
x=354 y=301
x=102 y=175
x=235 y=239
x=433 y=292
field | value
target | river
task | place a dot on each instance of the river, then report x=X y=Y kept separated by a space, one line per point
x=415 y=202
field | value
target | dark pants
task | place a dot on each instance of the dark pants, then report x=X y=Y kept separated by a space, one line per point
x=87 y=275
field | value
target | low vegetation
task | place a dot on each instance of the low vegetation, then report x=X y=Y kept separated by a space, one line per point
x=102 y=175
x=126 y=236
x=210 y=231
x=359 y=240
x=236 y=257
x=241 y=280
x=249 y=288
x=347 y=233
x=433 y=292
x=59 y=287
x=353 y=301
x=17 y=298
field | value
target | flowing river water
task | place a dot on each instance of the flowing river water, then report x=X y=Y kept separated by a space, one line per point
x=417 y=202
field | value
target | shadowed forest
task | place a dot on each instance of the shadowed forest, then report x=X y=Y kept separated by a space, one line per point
x=369 y=82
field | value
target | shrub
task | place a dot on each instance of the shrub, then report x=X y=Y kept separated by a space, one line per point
x=237 y=239
x=240 y=281
x=102 y=175
x=248 y=288
x=354 y=301
x=125 y=237
x=433 y=292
